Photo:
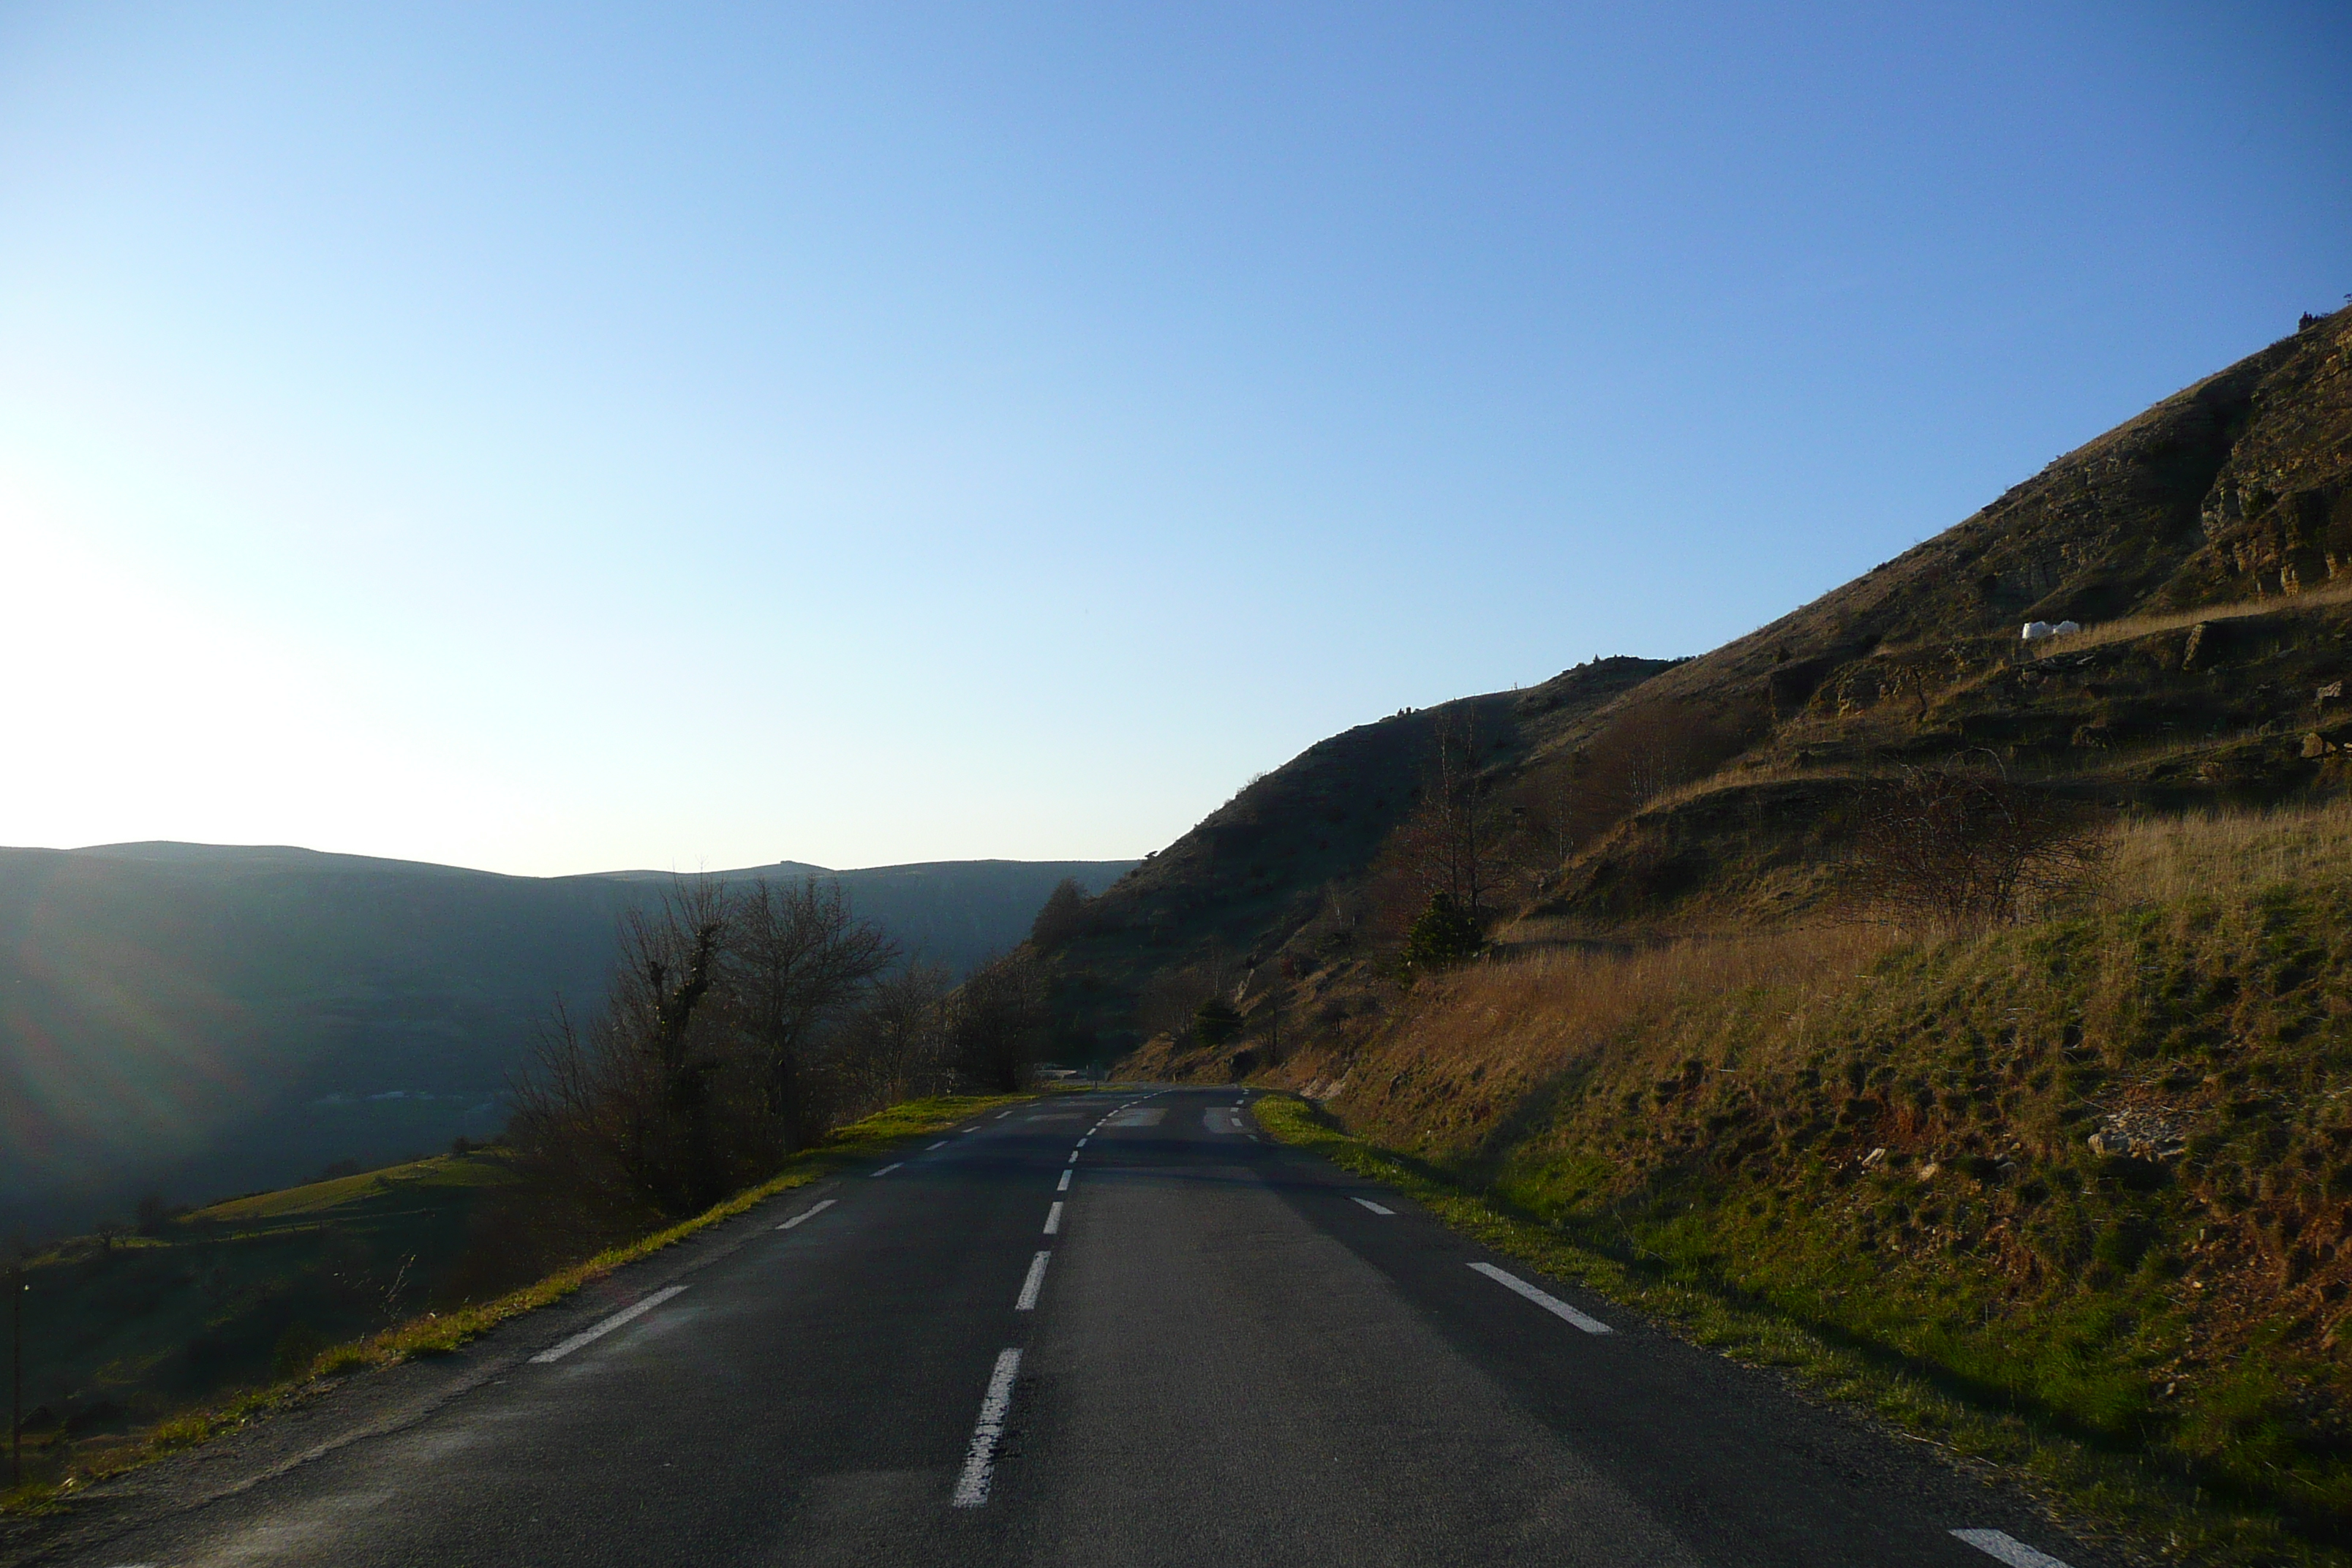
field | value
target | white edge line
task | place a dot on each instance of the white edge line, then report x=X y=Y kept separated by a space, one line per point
x=887 y=1169
x=1543 y=1299
x=1032 y=1284
x=1053 y=1219
x=1063 y=1184
x=980 y=1461
x=1376 y=1208
x=556 y=1352
x=810 y=1213
x=2008 y=1547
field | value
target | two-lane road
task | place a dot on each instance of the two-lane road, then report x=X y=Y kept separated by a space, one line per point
x=1111 y=1329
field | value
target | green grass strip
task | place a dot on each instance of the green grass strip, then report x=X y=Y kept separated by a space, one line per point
x=2106 y=1498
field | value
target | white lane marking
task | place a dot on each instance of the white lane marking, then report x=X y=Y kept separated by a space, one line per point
x=2008 y=1547
x=980 y=1461
x=1032 y=1285
x=1543 y=1299
x=1081 y=1143
x=1376 y=1208
x=1002 y=1114
x=809 y=1213
x=1053 y=1220
x=586 y=1336
x=887 y=1169
x=941 y=1145
x=1063 y=1184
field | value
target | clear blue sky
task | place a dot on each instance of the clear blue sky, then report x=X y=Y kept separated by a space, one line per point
x=553 y=438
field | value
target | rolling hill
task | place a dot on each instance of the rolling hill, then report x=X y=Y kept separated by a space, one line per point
x=193 y=1020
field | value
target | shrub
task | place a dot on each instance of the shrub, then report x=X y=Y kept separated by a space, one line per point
x=1446 y=933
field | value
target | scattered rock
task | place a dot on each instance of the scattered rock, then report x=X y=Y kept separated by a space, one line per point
x=2140 y=1135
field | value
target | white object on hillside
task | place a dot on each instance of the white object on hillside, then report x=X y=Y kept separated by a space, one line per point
x=2036 y=630
x=2064 y=628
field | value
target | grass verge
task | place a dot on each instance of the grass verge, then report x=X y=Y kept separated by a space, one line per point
x=440 y=1333
x=2137 y=1509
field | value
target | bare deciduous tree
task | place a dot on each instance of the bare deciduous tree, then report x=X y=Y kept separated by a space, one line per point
x=896 y=1043
x=713 y=1057
x=795 y=962
x=1170 y=1002
x=1965 y=844
x=995 y=1020
x=1453 y=846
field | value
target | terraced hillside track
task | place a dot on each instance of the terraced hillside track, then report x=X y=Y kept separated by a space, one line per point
x=1108 y=1329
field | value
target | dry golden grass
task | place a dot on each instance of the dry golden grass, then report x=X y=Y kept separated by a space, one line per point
x=2168 y=859
x=1470 y=1047
x=1477 y=1042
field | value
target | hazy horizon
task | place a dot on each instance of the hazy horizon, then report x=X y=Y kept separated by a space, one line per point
x=506 y=436
x=601 y=871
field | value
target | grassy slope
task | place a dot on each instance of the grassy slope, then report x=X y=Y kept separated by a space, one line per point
x=2152 y=1325
x=121 y=1331
x=110 y=1318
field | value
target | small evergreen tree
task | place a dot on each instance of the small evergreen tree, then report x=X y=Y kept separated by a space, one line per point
x=1216 y=1021
x=1063 y=916
x=1444 y=934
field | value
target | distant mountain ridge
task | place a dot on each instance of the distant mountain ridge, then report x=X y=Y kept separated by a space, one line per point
x=195 y=1020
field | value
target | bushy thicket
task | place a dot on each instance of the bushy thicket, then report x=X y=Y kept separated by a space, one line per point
x=743 y=1021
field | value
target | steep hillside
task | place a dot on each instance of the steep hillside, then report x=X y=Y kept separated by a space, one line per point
x=2205 y=547
x=1289 y=853
x=191 y=1020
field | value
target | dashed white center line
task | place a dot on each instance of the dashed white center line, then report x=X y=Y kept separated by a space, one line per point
x=809 y=1213
x=1543 y=1299
x=1063 y=1184
x=589 y=1335
x=892 y=1166
x=1082 y=1142
x=941 y=1145
x=1074 y=1156
x=1053 y=1220
x=1032 y=1284
x=980 y=1461
x=2008 y=1547
x=1376 y=1208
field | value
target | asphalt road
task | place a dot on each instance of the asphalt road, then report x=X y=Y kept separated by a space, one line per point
x=1107 y=1330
